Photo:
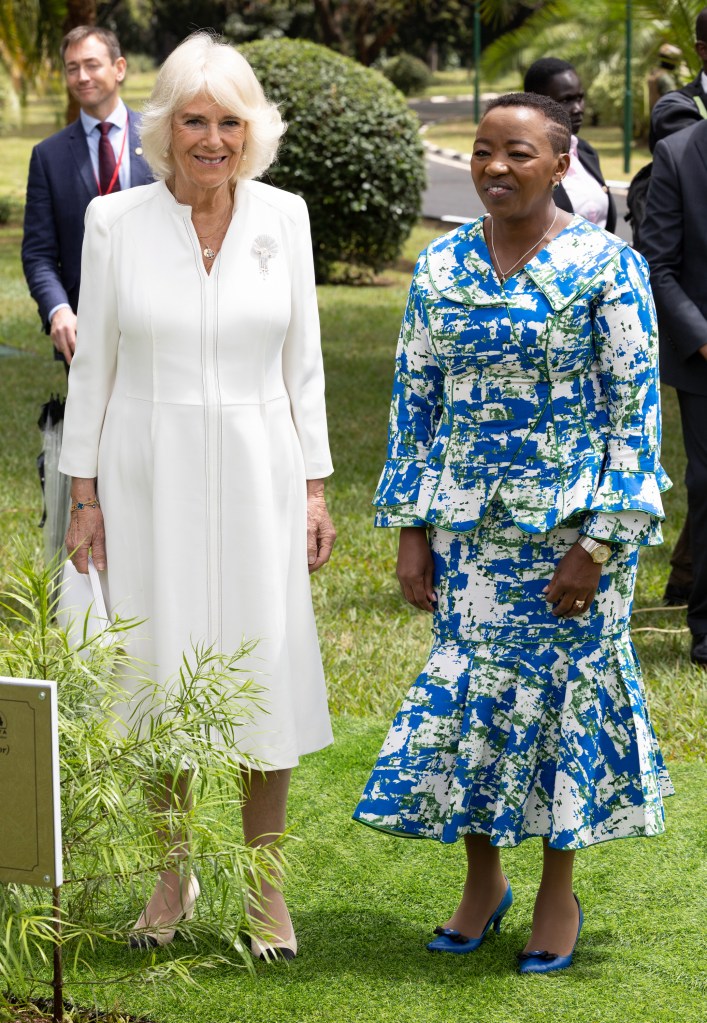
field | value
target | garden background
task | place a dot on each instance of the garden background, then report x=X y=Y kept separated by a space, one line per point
x=364 y=904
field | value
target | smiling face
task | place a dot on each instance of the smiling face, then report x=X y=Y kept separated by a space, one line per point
x=566 y=89
x=513 y=165
x=207 y=146
x=92 y=78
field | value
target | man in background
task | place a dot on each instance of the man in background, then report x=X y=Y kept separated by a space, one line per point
x=686 y=106
x=97 y=154
x=674 y=241
x=583 y=189
x=662 y=78
x=674 y=112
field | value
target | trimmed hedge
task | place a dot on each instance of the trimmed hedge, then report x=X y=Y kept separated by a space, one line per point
x=407 y=73
x=352 y=150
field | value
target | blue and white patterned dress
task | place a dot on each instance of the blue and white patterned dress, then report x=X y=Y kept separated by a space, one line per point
x=524 y=414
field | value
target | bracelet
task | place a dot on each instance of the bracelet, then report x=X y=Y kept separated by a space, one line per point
x=80 y=505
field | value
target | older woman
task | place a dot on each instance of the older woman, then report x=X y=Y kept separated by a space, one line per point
x=523 y=471
x=195 y=430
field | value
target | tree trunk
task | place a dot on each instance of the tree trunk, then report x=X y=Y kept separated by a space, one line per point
x=432 y=57
x=330 y=25
x=78 y=12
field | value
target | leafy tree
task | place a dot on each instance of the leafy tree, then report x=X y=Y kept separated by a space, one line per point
x=270 y=19
x=30 y=31
x=591 y=36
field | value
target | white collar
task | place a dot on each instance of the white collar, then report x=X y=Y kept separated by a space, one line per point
x=119 y=117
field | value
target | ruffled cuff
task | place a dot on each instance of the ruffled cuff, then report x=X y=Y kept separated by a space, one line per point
x=399 y=482
x=632 y=527
x=620 y=491
x=398 y=515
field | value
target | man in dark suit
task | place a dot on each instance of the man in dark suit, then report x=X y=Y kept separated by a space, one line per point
x=674 y=241
x=100 y=152
x=682 y=108
x=583 y=189
x=675 y=111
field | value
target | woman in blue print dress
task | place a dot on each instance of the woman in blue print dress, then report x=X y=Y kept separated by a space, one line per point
x=523 y=473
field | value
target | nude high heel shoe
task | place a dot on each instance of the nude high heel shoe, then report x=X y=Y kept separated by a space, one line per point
x=278 y=948
x=161 y=931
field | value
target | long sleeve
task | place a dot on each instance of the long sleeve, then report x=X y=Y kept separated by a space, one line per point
x=626 y=506
x=93 y=367
x=303 y=368
x=40 y=244
x=663 y=243
x=414 y=413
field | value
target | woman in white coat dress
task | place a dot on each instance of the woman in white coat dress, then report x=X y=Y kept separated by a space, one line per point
x=195 y=430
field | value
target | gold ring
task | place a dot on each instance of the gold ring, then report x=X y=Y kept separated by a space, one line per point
x=580 y=604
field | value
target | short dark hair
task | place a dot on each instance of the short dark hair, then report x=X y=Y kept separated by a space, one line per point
x=701 y=26
x=81 y=32
x=541 y=71
x=559 y=127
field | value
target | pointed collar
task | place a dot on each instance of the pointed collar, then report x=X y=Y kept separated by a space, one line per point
x=118 y=117
x=460 y=269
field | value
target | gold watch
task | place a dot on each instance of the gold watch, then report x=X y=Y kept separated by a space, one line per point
x=598 y=552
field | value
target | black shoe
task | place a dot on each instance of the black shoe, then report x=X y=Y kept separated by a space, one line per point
x=698 y=654
x=676 y=596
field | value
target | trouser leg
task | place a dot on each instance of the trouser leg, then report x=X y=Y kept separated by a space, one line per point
x=693 y=412
x=680 y=577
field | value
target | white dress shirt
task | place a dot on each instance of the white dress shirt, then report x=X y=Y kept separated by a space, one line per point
x=587 y=196
x=119 y=121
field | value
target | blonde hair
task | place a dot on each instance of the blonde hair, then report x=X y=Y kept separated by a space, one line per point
x=203 y=65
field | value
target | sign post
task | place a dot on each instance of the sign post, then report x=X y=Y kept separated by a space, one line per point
x=30 y=851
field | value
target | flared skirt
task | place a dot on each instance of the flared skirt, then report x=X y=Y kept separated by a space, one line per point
x=521 y=724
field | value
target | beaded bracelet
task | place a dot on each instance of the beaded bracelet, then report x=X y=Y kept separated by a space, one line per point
x=80 y=505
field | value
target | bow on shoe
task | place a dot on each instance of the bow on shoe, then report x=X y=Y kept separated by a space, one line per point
x=455 y=936
x=545 y=957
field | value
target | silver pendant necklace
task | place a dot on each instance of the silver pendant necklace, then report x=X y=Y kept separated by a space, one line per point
x=504 y=275
x=208 y=251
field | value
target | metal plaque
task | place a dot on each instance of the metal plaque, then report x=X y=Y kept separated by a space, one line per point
x=30 y=819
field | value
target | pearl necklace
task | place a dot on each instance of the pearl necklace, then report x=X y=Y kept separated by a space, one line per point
x=504 y=275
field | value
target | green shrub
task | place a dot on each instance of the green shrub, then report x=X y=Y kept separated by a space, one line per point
x=352 y=150
x=9 y=208
x=115 y=835
x=407 y=73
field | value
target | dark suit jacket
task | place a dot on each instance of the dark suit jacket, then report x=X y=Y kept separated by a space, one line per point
x=589 y=158
x=60 y=186
x=674 y=241
x=675 y=111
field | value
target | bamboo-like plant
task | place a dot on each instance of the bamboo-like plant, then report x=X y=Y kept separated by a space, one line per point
x=114 y=824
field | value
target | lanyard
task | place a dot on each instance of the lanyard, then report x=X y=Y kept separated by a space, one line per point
x=117 y=165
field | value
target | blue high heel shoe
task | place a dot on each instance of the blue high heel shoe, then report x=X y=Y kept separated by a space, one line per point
x=450 y=940
x=549 y=962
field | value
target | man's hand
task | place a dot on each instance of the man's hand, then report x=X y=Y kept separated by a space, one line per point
x=63 y=332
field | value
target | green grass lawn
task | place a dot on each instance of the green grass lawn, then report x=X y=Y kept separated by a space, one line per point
x=460 y=82
x=364 y=904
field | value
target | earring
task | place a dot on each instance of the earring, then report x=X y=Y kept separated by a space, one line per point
x=555 y=185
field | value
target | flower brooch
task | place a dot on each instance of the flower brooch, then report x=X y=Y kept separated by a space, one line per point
x=264 y=249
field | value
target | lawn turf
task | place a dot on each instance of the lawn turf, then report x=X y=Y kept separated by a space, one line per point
x=364 y=904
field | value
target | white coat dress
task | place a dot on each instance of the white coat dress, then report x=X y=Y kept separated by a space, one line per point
x=197 y=400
